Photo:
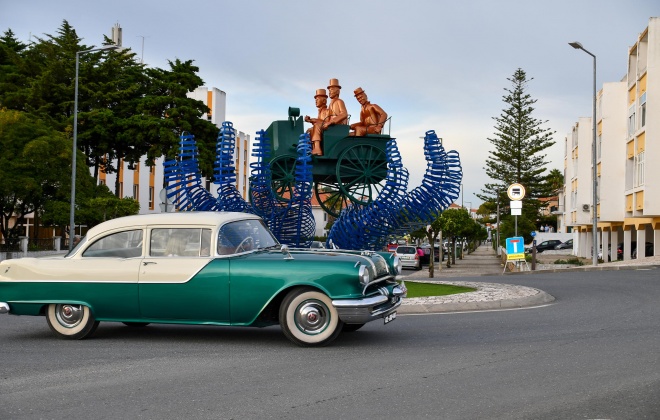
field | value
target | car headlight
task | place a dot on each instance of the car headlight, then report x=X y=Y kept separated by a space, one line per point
x=365 y=275
x=397 y=265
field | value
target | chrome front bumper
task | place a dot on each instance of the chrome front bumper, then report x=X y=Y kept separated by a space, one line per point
x=4 y=307
x=361 y=311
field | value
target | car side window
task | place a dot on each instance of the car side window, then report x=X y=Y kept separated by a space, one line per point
x=127 y=244
x=180 y=242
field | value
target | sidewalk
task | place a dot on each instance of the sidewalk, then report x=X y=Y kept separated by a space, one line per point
x=482 y=262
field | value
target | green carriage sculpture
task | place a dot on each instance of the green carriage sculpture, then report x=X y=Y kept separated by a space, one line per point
x=352 y=170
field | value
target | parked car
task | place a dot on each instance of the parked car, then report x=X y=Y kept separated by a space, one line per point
x=545 y=245
x=619 y=249
x=205 y=268
x=317 y=245
x=565 y=245
x=427 y=254
x=408 y=256
x=648 y=250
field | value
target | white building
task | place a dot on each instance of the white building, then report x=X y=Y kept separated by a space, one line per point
x=628 y=139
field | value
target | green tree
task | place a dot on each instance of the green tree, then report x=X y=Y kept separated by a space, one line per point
x=555 y=180
x=454 y=223
x=435 y=229
x=12 y=79
x=518 y=157
x=173 y=113
x=35 y=169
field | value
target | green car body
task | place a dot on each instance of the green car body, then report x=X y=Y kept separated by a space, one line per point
x=313 y=294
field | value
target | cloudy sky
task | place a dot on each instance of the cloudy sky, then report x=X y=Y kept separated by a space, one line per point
x=431 y=64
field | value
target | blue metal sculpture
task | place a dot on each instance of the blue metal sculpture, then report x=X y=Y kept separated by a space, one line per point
x=289 y=216
x=370 y=226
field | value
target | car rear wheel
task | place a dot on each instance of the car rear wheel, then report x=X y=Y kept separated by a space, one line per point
x=308 y=318
x=72 y=322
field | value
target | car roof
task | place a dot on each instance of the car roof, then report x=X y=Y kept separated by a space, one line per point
x=214 y=218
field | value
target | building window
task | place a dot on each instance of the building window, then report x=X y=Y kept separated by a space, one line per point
x=599 y=142
x=101 y=181
x=136 y=192
x=639 y=169
x=151 y=198
x=631 y=121
x=642 y=110
x=121 y=190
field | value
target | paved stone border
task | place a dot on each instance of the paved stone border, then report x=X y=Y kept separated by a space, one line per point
x=488 y=296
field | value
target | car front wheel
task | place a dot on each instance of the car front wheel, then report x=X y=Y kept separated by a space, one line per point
x=308 y=318
x=72 y=322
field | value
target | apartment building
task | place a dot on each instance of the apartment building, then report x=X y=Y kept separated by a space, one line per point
x=628 y=143
x=145 y=183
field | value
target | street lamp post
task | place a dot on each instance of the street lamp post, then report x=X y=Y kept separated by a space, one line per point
x=594 y=150
x=72 y=211
x=462 y=195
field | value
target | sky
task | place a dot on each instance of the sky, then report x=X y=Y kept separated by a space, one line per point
x=430 y=64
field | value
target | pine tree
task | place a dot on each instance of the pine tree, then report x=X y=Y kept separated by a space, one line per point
x=518 y=157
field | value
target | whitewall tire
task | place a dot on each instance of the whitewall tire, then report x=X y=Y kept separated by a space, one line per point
x=308 y=318
x=71 y=322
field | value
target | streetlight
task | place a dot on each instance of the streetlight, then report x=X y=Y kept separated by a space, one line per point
x=462 y=194
x=72 y=211
x=594 y=150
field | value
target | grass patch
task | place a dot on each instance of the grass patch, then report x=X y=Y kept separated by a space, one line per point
x=574 y=261
x=432 y=289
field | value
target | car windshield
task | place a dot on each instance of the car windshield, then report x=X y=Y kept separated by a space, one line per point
x=77 y=247
x=244 y=236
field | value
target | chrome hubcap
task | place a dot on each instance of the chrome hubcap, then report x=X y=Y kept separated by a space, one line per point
x=312 y=317
x=69 y=315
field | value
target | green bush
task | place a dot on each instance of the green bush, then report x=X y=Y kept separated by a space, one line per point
x=574 y=261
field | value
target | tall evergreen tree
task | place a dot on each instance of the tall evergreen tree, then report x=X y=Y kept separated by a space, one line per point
x=12 y=79
x=519 y=142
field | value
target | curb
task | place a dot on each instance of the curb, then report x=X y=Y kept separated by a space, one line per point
x=498 y=296
x=589 y=268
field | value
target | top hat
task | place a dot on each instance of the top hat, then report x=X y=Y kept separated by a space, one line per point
x=320 y=92
x=358 y=91
x=335 y=83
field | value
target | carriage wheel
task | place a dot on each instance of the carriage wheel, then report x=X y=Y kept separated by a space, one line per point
x=330 y=198
x=361 y=173
x=283 y=170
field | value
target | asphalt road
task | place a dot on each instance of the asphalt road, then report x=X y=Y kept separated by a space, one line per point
x=592 y=354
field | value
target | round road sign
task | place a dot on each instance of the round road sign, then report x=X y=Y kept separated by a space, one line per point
x=516 y=192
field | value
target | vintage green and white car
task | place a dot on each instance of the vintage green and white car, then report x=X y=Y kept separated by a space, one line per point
x=211 y=268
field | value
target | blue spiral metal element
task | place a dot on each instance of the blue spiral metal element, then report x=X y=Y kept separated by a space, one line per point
x=291 y=221
x=298 y=222
x=369 y=227
x=184 y=181
x=229 y=199
x=264 y=201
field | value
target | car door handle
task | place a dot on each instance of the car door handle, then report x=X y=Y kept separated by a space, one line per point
x=149 y=262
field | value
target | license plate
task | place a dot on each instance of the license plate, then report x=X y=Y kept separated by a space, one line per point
x=389 y=318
